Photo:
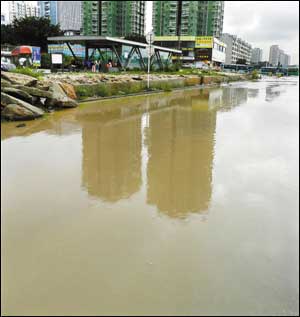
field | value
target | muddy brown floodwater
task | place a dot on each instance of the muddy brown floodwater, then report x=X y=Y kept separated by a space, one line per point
x=180 y=203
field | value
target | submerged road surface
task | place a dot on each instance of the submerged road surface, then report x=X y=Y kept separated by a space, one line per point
x=180 y=203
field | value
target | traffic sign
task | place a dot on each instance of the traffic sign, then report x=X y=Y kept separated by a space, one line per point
x=150 y=37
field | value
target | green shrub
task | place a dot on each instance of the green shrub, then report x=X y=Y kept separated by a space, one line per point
x=67 y=60
x=255 y=74
x=103 y=91
x=85 y=91
x=166 y=87
x=27 y=71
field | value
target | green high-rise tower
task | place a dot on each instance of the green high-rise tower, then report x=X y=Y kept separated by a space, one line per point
x=193 y=18
x=113 y=18
x=211 y=17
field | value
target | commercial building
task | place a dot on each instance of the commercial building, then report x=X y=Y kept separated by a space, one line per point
x=188 y=18
x=204 y=49
x=238 y=50
x=21 y=9
x=256 y=56
x=65 y=13
x=278 y=56
x=113 y=18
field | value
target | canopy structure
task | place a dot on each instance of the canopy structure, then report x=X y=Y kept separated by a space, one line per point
x=115 y=45
x=21 y=50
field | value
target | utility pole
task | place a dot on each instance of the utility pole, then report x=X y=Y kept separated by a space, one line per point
x=150 y=40
x=179 y=18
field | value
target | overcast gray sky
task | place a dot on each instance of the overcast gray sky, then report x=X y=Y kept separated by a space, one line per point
x=261 y=23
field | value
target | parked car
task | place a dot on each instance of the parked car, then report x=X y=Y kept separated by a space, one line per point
x=201 y=65
x=7 y=66
x=188 y=65
x=6 y=61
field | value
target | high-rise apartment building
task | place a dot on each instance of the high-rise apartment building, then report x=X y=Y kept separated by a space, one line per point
x=278 y=56
x=48 y=10
x=65 y=13
x=237 y=49
x=284 y=59
x=211 y=17
x=21 y=9
x=69 y=15
x=113 y=18
x=281 y=57
x=256 y=55
x=274 y=55
x=194 y=18
x=4 y=19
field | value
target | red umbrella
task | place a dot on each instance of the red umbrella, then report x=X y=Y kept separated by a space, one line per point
x=21 y=50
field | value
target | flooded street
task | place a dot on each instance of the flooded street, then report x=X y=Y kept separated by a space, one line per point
x=178 y=203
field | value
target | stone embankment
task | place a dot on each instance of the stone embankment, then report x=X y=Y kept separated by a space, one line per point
x=24 y=97
x=90 y=86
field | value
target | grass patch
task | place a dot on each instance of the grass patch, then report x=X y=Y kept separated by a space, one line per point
x=84 y=91
x=27 y=71
x=165 y=86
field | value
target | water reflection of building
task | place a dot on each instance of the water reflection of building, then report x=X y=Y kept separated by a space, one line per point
x=180 y=143
x=112 y=143
x=233 y=97
x=253 y=93
x=180 y=147
x=272 y=92
x=111 y=163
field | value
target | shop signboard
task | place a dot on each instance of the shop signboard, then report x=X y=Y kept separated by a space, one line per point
x=36 y=56
x=203 y=54
x=175 y=38
x=204 y=42
x=79 y=50
x=56 y=59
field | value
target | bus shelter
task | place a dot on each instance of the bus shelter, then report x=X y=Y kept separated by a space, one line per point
x=115 y=45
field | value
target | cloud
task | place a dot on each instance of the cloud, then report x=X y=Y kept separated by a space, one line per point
x=264 y=23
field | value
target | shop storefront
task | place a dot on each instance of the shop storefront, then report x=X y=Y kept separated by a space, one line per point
x=196 y=49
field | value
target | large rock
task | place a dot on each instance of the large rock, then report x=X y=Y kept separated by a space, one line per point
x=7 y=100
x=37 y=101
x=59 y=99
x=43 y=86
x=5 y=83
x=35 y=91
x=19 y=79
x=69 y=90
x=18 y=93
x=17 y=112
